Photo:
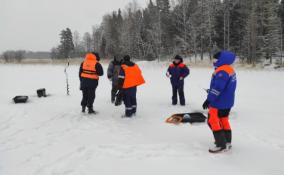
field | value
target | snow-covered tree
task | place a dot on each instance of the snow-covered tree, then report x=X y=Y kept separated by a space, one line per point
x=66 y=43
x=87 y=41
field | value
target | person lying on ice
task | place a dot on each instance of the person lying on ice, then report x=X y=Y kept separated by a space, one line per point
x=177 y=72
x=89 y=73
x=220 y=100
x=130 y=76
x=112 y=74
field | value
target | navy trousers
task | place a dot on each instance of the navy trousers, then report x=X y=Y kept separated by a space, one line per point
x=178 y=90
x=89 y=95
x=130 y=101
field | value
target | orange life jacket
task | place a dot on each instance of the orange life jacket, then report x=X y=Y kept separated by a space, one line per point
x=133 y=76
x=89 y=67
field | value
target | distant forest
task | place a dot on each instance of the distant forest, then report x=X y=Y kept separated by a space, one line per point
x=253 y=29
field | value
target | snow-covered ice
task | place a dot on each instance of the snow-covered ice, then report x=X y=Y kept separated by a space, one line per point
x=49 y=136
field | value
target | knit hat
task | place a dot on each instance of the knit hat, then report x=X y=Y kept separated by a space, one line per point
x=126 y=58
x=178 y=57
x=97 y=56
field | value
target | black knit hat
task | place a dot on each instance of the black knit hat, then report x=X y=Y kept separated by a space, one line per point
x=97 y=55
x=178 y=57
x=126 y=58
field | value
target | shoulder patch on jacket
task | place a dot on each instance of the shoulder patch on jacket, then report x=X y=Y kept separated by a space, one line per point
x=181 y=65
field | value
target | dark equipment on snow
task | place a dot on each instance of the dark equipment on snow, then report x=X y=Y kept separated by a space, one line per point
x=20 y=99
x=195 y=117
x=118 y=98
x=41 y=92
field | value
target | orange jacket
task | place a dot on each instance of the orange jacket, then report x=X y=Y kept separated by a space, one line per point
x=89 y=67
x=133 y=76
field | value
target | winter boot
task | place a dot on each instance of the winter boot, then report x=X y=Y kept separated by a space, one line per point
x=83 y=109
x=126 y=116
x=182 y=101
x=229 y=146
x=220 y=141
x=228 y=135
x=91 y=110
x=174 y=101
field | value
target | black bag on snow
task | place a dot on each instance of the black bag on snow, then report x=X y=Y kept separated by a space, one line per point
x=195 y=117
x=41 y=92
x=20 y=99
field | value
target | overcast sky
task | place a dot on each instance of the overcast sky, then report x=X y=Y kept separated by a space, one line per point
x=35 y=24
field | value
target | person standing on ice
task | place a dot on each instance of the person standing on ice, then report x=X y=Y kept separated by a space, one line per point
x=89 y=73
x=220 y=100
x=112 y=74
x=130 y=76
x=177 y=72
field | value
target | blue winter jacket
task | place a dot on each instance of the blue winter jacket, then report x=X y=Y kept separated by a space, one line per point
x=223 y=83
x=178 y=73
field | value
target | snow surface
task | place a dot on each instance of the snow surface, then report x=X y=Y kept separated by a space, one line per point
x=49 y=136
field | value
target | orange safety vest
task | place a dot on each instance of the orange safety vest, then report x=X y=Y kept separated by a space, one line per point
x=133 y=76
x=89 y=67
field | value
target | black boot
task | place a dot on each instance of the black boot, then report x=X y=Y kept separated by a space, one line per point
x=83 y=109
x=220 y=141
x=91 y=110
x=228 y=135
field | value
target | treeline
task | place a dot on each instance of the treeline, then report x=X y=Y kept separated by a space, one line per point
x=13 y=55
x=19 y=55
x=251 y=28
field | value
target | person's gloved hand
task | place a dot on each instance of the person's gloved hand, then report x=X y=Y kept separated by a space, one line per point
x=181 y=78
x=168 y=75
x=206 y=104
